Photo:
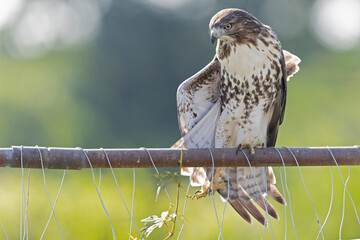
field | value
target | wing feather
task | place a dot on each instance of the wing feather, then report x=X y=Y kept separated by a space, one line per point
x=203 y=133
x=196 y=96
x=291 y=64
x=198 y=111
x=278 y=107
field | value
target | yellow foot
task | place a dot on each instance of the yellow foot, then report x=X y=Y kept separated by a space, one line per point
x=203 y=193
x=199 y=194
x=207 y=190
x=250 y=147
x=259 y=145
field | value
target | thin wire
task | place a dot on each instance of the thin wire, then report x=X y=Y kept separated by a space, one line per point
x=302 y=179
x=331 y=201
x=167 y=194
x=227 y=199
x=56 y=199
x=265 y=203
x=132 y=203
x=182 y=219
x=48 y=195
x=288 y=192
x=282 y=185
x=97 y=190
x=26 y=225
x=117 y=186
x=212 y=191
x=343 y=210
x=22 y=190
x=332 y=155
x=7 y=238
x=2 y=226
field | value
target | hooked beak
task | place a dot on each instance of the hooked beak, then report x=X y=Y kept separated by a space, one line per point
x=214 y=35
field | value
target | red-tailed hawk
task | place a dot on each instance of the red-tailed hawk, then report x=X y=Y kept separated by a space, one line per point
x=237 y=100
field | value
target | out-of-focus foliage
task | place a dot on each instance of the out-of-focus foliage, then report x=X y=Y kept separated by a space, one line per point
x=118 y=90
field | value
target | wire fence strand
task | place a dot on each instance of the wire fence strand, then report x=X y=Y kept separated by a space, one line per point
x=98 y=192
x=265 y=203
x=288 y=193
x=282 y=154
x=212 y=191
x=343 y=207
x=2 y=226
x=342 y=180
x=118 y=189
x=48 y=195
x=132 y=204
x=167 y=194
x=331 y=202
x=227 y=200
x=184 y=210
x=307 y=192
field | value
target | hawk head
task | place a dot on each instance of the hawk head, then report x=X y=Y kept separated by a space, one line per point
x=234 y=25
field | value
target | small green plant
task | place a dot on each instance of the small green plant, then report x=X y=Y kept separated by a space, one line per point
x=165 y=179
x=154 y=221
x=167 y=218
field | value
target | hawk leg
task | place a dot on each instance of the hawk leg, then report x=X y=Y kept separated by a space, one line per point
x=208 y=189
x=250 y=147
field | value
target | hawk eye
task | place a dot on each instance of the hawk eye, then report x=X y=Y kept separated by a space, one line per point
x=228 y=26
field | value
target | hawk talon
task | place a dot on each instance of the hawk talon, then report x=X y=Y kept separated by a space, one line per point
x=251 y=148
x=209 y=190
x=242 y=146
x=198 y=194
x=238 y=148
x=259 y=145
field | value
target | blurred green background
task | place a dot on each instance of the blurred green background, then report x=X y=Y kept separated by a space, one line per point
x=102 y=73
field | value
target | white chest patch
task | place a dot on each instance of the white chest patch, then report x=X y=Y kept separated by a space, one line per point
x=249 y=83
x=243 y=60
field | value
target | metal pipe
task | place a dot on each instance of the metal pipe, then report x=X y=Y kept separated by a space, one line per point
x=74 y=158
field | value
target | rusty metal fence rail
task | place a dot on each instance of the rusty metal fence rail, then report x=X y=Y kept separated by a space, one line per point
x=75 y=158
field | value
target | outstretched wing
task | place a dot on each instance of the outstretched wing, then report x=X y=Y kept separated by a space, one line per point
x=198 y=111
x=196 y=103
